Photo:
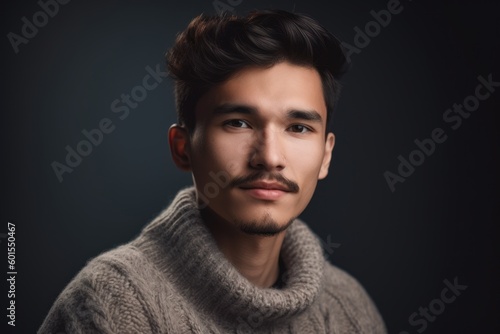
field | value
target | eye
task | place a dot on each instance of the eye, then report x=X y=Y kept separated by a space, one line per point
x=298 y=128
x=237 y=123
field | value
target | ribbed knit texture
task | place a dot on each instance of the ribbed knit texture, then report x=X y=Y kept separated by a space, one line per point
x=173 y=279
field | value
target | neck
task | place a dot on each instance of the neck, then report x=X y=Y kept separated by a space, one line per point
x=255 y=257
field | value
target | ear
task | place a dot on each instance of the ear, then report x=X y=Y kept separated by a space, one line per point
x=327 y=157
x=178 y=139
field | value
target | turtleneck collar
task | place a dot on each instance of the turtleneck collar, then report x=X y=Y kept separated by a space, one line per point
x=182 y=247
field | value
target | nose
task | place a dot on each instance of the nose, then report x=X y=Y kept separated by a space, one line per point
x=267 y=152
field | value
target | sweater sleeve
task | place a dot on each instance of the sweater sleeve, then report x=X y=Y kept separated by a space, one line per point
x=100 y=299
x=349 y=305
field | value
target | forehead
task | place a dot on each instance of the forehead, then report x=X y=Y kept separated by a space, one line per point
x=271 y=91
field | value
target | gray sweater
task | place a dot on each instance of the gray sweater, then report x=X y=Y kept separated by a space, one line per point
x=173 y=279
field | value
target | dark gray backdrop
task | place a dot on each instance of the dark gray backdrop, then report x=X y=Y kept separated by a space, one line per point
x=439 y=224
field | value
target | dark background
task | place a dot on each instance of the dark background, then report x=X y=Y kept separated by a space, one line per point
x=439 y=224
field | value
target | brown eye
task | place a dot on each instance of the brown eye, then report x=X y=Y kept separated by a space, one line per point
x=236 y=123
x=299 y=128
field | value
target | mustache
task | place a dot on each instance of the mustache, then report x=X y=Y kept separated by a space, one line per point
x=290 y=185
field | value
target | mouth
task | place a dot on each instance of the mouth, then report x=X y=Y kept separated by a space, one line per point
x=265 y=186
x=269 y=191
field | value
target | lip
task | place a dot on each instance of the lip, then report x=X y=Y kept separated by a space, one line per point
x=262 y=190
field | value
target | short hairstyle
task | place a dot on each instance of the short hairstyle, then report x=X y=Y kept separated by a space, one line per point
x=213 y=48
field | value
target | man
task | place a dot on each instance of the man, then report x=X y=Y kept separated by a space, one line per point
x=254 y=96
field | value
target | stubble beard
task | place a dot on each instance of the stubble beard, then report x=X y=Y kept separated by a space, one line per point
x=267 y=226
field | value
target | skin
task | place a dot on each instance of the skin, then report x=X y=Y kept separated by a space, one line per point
x=269 y=123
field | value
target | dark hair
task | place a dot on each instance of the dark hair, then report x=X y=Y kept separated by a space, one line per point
x=213 y=48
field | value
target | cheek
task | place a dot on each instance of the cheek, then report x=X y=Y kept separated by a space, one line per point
x=307 y=166
x=217 y=152
x=234 y=153
x=307 y=161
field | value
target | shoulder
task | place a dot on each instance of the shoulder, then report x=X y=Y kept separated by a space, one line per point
x=344 y=297
x=114 y=270
x=110 y=293
x=341 y=285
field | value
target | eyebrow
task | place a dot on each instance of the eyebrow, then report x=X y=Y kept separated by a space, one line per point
x=307 y=115
x=229 y=108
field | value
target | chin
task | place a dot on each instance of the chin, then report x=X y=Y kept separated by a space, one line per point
x=266 y=226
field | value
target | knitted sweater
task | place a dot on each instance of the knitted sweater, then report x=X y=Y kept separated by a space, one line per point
x=173 y=279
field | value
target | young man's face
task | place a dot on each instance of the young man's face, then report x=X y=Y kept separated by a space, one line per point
x=259 y=146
